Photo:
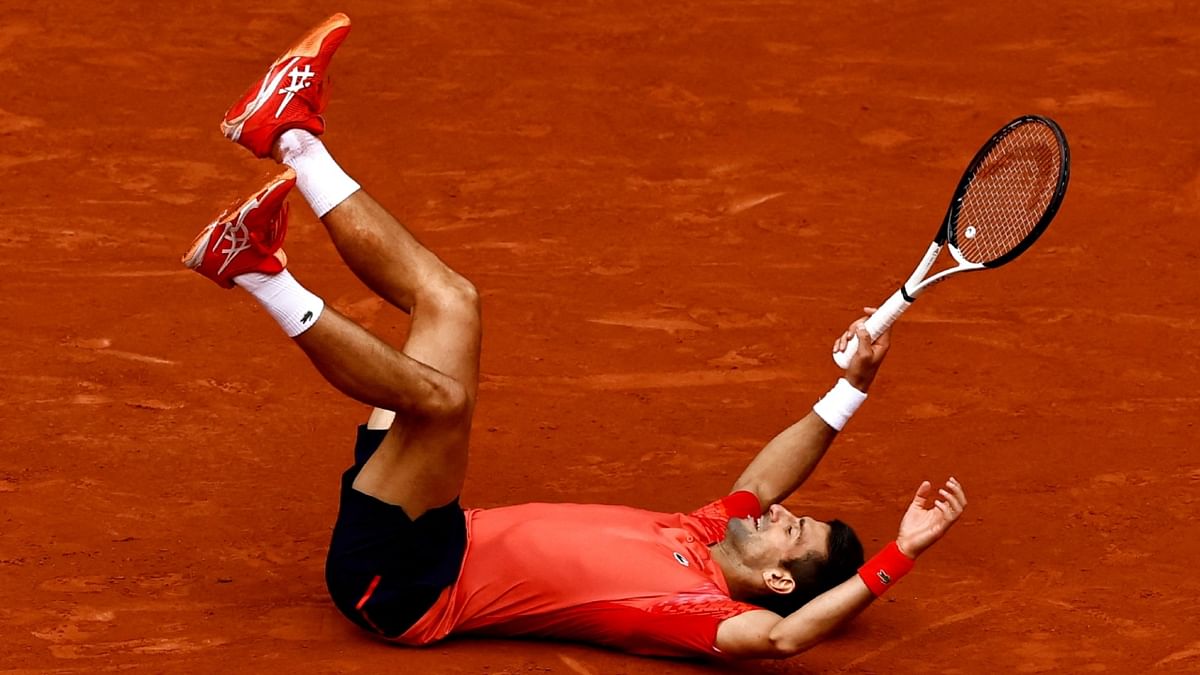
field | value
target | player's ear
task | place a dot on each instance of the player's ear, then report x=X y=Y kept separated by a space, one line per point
x=779 y=580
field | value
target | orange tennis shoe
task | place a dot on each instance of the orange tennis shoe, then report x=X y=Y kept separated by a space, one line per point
x=293 y=93
x=245 y=238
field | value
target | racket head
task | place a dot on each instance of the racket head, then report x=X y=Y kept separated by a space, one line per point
x=1009 y=193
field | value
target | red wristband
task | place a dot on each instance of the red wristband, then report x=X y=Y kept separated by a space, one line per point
x=885 y=569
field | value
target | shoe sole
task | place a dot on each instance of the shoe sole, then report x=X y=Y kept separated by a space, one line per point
x=308 y=46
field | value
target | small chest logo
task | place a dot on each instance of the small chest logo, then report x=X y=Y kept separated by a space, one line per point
x=681 y=560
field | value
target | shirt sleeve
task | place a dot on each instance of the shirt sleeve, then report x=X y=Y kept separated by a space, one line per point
x=683 y=625
x=714 y=517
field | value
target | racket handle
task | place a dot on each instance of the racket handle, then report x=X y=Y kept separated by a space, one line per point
x=876 y=324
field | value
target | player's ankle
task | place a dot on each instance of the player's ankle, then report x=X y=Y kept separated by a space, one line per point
x=292 y=143
x=294 y=308
x=322 y=182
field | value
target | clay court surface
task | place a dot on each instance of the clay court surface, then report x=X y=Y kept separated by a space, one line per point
x=671 y=210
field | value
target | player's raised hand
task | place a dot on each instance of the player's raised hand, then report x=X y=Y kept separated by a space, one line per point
x=929 y=518
x=868 y=356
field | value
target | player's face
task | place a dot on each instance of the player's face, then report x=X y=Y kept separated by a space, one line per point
x=779 y=535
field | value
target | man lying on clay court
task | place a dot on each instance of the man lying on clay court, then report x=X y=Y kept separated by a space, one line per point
x=739 y=577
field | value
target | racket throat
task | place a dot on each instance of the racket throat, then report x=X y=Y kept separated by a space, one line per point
x=913 y=287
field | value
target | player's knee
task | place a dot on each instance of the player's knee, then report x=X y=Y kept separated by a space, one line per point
x=463 y=294
x=454 y=296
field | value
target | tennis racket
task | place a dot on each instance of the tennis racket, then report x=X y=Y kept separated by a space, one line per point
x=1005 y=200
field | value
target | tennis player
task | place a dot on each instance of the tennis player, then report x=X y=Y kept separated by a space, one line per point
x=740 y=577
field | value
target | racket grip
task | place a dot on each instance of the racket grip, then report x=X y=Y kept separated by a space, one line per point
x=876 y=325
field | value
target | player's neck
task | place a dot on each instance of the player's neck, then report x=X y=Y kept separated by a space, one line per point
x=741 y=580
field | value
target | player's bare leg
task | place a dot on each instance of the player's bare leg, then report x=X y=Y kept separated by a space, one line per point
x=432 y=382
x=242 y=248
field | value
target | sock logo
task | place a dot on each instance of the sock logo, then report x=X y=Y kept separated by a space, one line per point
x=307 y=317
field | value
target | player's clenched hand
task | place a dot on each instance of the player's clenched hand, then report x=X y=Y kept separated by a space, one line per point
x=928 y=518
x=866 y=361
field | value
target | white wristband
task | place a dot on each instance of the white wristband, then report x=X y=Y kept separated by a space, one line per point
x=839 y=405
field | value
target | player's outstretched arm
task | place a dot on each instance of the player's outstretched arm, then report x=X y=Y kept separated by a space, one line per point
x=764 y=634
x=788 y=460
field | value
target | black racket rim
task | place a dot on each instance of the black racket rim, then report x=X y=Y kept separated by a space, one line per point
x=947 y=233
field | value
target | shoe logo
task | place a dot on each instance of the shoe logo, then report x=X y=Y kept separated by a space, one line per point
x=306 y=318
x=300 y=80
x=237 y=235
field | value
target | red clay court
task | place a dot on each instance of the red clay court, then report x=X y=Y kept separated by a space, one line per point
x=671 y=210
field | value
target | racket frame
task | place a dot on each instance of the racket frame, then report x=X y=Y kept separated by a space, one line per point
x=948 y=232
x=947 y=238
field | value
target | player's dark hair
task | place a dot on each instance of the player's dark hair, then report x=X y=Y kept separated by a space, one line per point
x=816 y=575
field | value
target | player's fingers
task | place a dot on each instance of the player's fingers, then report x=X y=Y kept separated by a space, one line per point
x=957 y=488
x=845 y=338
x=945 y=509
x=870 y=310
x=885 y=339
x=950 y=490
x=849 y=335
x=864 y=342
x=922 y=497
x=952 y=500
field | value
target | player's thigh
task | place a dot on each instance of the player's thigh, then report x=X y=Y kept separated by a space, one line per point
x=419 y=465
x=422 y=462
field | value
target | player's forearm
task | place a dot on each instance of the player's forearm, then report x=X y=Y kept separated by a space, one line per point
x=784 y=463
x=813 y=622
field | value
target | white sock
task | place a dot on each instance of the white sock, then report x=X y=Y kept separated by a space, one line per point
x=293 y=306
x=320 y=179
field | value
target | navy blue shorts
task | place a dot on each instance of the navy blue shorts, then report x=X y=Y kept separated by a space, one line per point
x=385 y=570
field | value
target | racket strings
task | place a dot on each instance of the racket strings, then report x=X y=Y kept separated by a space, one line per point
x=1008 y=194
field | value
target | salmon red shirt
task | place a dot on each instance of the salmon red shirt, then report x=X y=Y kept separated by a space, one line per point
x=639 y=581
